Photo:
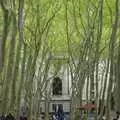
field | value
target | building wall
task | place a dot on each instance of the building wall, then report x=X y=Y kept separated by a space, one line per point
x=63 y=99
x=66 y=106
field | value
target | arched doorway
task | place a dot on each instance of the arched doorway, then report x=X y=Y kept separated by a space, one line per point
x=57 y=86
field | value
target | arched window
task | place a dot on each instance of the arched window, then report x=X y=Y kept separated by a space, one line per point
x=57 y=86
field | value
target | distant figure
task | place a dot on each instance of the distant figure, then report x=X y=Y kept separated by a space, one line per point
x=23 y=111
x=23 y=118
x=9 y=117
x=54 y=117
x=117 y=116
x=2 y=117
x=103 y=118
x=60 y=113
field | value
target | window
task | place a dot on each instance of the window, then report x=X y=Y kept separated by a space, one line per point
x=57 y=86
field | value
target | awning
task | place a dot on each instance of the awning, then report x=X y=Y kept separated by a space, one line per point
x=87 y=106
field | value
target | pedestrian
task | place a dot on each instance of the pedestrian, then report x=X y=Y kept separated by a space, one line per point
x=54 y=117
x=23 y=111
x=2 y=117
x=117 y=116
x=9 y=117
x=103 y=118
x=60 y=113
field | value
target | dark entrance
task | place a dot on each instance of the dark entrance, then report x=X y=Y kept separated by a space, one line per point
x=57 y=86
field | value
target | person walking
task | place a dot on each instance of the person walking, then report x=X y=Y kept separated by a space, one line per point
x=60 y=113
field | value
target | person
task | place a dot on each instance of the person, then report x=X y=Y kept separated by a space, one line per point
x=60 y=113
x=117 y=116
x=23 y=111
x=2 y=117
x=103 y=118
x=9 y=117
x=23 y=118
x=54 y=117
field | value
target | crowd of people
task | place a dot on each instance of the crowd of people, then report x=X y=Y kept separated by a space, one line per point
x=7 y=117
x=11 y=117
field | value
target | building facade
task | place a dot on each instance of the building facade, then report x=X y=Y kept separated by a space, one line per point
x=59 y=94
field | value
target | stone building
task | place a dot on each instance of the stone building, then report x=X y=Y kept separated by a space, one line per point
x=59 y=94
